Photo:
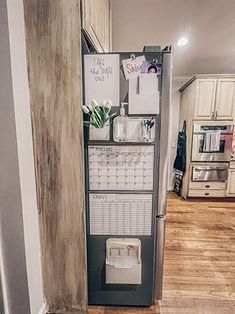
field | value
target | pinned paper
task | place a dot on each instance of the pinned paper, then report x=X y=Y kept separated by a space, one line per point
x=148 y=67
x=143 y=99
x=148 y=84
x=132 y=67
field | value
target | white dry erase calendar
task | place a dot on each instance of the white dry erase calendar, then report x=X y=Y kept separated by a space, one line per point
x=124 y=168
x=120 y=214
x=101 y=74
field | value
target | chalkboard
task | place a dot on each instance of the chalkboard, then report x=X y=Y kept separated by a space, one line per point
x=102 y=78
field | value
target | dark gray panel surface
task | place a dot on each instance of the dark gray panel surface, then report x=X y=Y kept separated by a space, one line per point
x=98 y=291
x=101 y=293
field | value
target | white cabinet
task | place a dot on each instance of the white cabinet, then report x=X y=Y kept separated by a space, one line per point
x=96 y=23
x=225 y=99
x=205 y=99
x=231 y=183
x=215 y=99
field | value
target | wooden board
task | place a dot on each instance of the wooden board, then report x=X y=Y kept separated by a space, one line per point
x=54 y=67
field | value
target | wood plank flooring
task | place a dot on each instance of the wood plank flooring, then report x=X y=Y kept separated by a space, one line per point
x=199 y=272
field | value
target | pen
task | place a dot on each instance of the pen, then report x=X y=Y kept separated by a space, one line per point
x=152 y=124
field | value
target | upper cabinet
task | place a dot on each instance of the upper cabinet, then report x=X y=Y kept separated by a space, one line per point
x=215 y=99
x=205 y=99
x=225 y=99
x=96 y=23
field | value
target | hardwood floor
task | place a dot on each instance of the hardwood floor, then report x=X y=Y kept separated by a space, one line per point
x=199 y=272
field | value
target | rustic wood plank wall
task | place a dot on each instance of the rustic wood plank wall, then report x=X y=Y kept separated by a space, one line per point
x=54 y=67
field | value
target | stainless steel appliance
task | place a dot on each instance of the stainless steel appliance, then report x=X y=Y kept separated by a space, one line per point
x=223 y=153
x=210 y=173
x=101 y=288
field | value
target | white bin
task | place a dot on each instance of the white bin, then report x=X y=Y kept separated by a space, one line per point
x=123 y=261
x=99 y=134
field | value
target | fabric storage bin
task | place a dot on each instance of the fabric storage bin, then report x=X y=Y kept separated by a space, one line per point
x=99 y=134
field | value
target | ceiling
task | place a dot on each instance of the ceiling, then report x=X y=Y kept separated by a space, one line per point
x=209 y=26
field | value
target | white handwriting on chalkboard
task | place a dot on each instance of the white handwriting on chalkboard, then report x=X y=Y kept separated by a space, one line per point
x=100 y=71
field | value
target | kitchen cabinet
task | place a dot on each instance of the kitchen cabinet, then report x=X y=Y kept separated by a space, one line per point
x=205 y=99
x=207 y=189
x=207 y=185
x=215 y=99
x=231 y=183
x=208 y=98
x=208 y=193
x=96 y=23
x=225 y=99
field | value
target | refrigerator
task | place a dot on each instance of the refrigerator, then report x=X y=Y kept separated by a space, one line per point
x=125 y=251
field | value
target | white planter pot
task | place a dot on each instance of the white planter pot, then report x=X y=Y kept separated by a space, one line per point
x=99 y=134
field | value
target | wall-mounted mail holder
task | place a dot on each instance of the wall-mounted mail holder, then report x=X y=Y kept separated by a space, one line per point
x=123 y=261
x=135 y=130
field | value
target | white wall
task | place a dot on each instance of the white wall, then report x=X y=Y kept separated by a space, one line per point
x=25 y=152
x=174 y=125
x=12 y=247
x=208 y=24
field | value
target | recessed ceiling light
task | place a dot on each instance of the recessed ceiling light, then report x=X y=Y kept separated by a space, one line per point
x=182 y=41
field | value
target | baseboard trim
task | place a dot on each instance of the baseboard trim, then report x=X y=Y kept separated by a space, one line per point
x=43 y=309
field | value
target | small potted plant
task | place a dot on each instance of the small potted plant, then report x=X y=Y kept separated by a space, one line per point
x=99 y=120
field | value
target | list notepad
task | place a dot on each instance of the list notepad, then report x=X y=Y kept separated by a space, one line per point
x=120 y=214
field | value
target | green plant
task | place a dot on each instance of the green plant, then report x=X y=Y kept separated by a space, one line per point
x=99 y=114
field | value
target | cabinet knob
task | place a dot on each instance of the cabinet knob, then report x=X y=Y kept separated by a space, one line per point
x=216 y=115
x=213 y=116
x=207 y=186
x=207 y=193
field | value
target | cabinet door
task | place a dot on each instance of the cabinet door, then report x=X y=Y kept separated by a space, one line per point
x=231 y=183
x=205 y=99
x=225 y=99
x=96 y=23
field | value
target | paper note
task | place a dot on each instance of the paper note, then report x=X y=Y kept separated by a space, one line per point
x=148 y=84
x=132 y=67
x=133 y=129
x=140 y=102
x=102 y=78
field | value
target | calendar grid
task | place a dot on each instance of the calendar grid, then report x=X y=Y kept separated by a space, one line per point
x=121 y=168
x=125 y=169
